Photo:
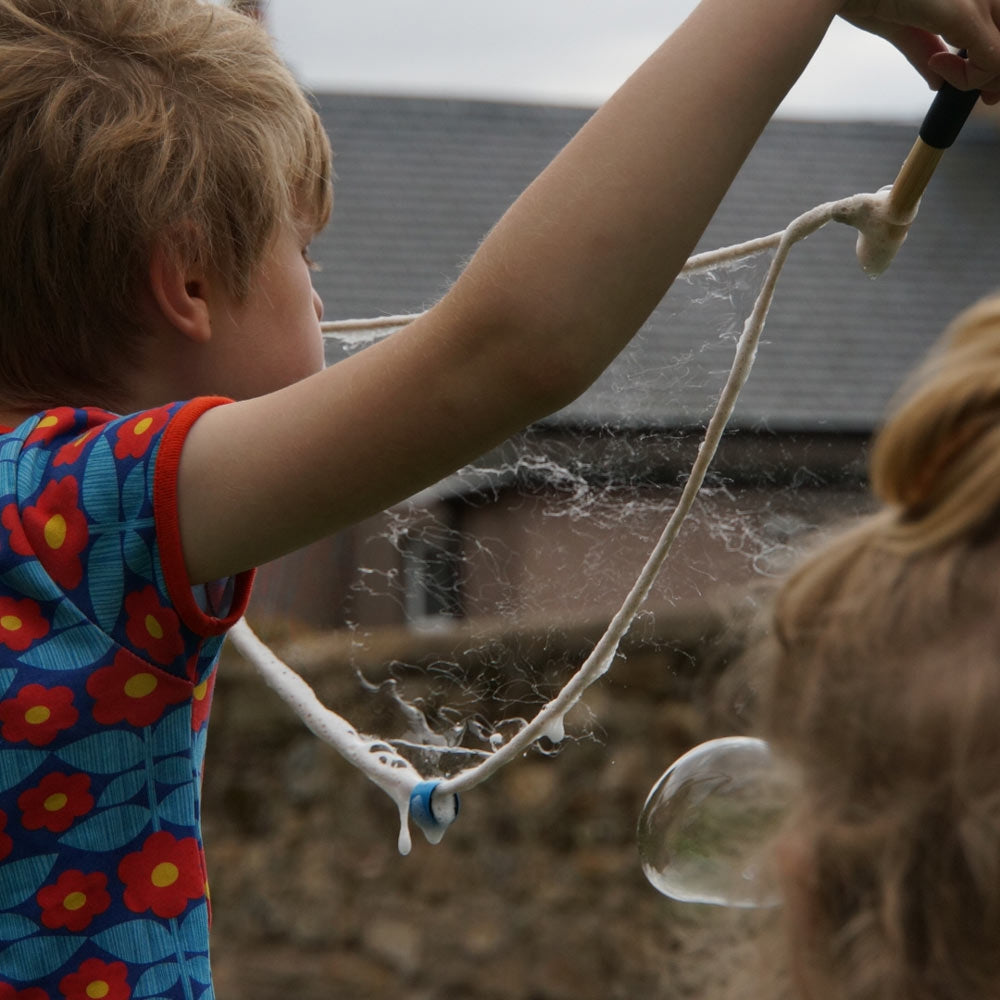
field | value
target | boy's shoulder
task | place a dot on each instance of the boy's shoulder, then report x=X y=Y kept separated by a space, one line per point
x=88 y=512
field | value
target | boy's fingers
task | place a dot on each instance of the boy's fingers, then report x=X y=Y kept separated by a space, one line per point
x=965 y=74
x=973 y=25
x=916 y=44
x=984 y=44
x=919 y=47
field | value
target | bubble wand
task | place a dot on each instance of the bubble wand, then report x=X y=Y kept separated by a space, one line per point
x=883 y=220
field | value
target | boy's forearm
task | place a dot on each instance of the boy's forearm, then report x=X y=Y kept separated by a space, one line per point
x=583 y=257
x=554 y=292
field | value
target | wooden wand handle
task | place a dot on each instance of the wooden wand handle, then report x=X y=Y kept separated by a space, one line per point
x=948 y=113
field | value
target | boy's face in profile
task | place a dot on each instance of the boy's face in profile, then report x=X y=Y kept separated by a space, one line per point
x=273 y=337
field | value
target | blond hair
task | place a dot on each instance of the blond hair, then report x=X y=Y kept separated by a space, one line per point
x=885 y=688
x=125 y=122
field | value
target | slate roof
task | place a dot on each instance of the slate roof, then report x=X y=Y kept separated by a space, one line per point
x=420 y=182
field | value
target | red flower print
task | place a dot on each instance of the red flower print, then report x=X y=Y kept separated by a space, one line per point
x=57 y=531
x=6 y=844
x=74 y=900
x=11 y=520
x=201 y=702
x=21 y=623
x=135 y=435
x=153 y=627
x=37 y=714
x=97 y=980
x=132 y=690
x=163 y=876
x=56 y=802
x=7 y=992
x=53 y=423
x=71 y=451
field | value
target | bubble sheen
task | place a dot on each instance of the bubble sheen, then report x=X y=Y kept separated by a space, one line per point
x=705 y=830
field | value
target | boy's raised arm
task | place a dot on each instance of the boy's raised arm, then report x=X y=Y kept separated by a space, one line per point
x=553 y=294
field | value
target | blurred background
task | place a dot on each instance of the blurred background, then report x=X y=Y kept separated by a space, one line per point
x=472 y=602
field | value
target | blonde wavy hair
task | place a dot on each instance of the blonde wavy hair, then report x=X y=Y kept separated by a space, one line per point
x=884 y=686
x=124 y=122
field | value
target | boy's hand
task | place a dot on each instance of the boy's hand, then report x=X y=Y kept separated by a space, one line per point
x=920 y=30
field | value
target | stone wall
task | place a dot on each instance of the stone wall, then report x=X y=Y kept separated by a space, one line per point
x=535 y=893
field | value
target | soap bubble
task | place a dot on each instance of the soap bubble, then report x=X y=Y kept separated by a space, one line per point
x=705 y=830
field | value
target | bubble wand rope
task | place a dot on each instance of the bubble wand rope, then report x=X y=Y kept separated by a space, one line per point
x=700 y=262
x=434 y=804
x=549 y=720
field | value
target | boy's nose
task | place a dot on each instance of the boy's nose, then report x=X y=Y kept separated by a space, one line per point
x=317 y=305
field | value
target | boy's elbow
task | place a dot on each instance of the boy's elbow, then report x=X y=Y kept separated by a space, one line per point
x=537 y=372
x=542 y=361
x=554 y=378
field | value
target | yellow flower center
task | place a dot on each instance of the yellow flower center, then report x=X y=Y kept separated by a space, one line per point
x=75 y=901
x=153 y=627
x=143 y=426
x=165 y=874
x=98 y=989
x=55 y=531
x=140 y=685
x=200 y=691
x=11 y=623
x=55 y=802
x=37 y=715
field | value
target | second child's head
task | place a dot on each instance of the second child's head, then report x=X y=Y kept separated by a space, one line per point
x=886 y=691
x=127 y=125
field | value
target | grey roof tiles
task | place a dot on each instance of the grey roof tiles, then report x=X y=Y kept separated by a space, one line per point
x=420 y=181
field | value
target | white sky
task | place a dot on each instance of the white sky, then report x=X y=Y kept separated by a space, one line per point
x=552 y=51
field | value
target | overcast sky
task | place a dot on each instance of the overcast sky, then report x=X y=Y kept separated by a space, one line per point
x=555 y=51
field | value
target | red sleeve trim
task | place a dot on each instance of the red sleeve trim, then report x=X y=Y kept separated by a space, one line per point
x=168 y=530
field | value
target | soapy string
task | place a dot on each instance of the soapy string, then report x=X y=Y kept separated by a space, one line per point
x=432 y=803
x=882 y=220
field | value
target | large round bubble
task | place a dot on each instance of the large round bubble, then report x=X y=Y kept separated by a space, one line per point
x=706 y=829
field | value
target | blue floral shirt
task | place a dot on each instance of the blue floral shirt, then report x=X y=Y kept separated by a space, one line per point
x=107 y=659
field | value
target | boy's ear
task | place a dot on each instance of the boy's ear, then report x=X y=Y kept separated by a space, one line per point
x=180 y=293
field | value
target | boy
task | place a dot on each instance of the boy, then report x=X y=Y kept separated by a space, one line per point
x=161 y=177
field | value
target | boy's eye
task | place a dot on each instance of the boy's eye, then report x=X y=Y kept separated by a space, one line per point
x=310 y=263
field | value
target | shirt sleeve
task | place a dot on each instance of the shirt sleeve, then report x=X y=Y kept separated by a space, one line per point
x=92 y=498
x=213 y=608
